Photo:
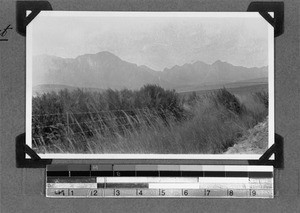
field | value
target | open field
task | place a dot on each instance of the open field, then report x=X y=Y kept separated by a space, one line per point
x=234 y=89
x=150 y=120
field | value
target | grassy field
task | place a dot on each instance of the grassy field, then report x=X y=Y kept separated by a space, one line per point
x=151 y=120
x=237 y=91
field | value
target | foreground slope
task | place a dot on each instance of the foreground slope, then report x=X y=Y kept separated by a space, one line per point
x=254 y=142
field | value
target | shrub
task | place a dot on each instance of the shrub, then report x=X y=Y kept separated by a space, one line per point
x=263 y=97
x=155 y=97
x=228 y=100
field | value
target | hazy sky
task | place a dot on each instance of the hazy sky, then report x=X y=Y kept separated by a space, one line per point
x=157 y=42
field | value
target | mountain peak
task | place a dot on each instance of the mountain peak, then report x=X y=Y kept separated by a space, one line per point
x=220 y=62
x=199 y=63
x=187 y=65
x=102 y=54
x=106 y=53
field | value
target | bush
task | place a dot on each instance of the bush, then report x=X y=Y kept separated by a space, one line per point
x=155 y=97
x=228 y=100
x=263 y=97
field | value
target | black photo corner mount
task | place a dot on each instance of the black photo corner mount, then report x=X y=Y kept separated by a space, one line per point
x=277 y=150
x=22 y=149
x=274 y=6
x=35 y=7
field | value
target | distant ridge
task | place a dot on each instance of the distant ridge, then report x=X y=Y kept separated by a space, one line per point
x=48 y=88
x=105 y=70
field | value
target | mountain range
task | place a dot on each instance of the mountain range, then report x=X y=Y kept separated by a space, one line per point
x=105 y=70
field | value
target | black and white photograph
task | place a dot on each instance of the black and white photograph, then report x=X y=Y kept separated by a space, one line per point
x=149 y=106
x=150 y=85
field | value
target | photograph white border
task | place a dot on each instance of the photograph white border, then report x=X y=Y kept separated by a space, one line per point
x=271 y=126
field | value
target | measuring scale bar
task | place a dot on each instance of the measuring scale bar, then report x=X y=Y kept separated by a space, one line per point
x=257 y=183
x=162 y=192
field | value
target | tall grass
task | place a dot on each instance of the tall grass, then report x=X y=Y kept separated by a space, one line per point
x=151 y=120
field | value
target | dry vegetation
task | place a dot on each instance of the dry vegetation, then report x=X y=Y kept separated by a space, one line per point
x=151 y=120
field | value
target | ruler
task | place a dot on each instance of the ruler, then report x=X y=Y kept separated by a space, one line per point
x=165 y=181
